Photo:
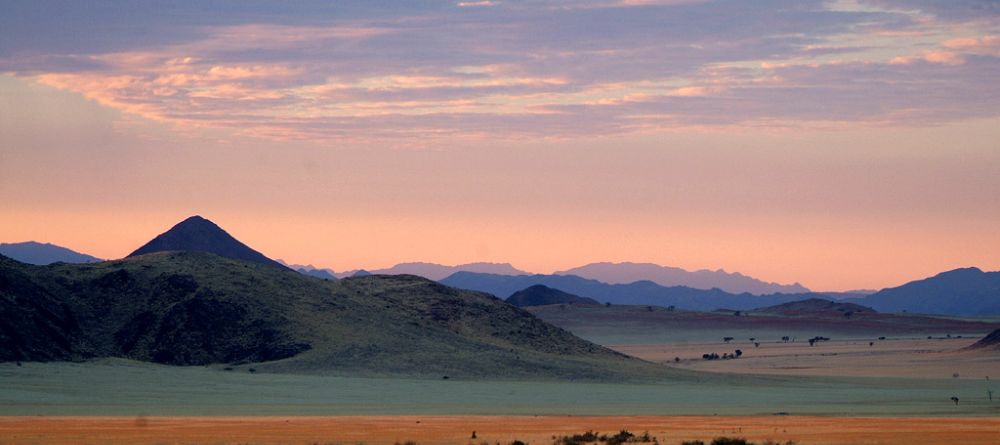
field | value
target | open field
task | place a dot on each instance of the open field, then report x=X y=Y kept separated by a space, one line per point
x=621 y=324
x=905 y=357
x=431 y=430
x=119 y=388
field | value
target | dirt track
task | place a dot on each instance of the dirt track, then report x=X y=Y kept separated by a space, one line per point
x=458 y=429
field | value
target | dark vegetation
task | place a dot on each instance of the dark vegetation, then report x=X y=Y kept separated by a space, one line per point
x=732 y=441
x=725 y=356
x=590 y=437
x=192 y=308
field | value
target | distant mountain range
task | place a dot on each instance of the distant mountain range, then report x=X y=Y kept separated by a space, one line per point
x=197 y=234
x=437 y=272
x=625 y=273
x=959 y=292
x=40 y=254
x=640 y=292
x=309 y=269
x=967 y=291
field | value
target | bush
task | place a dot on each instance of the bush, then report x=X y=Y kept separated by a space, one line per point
x=620 y=438
x=730 y=441
x=577 y=439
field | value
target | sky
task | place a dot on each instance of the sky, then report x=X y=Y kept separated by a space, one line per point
x=849 y=144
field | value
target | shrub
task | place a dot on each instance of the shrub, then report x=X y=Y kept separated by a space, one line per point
x=730 y=441
x=620 y=438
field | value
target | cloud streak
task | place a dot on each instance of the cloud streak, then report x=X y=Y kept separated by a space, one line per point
x=542 y=69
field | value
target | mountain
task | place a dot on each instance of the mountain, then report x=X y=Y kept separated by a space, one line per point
x=309 y=269
x=196 y=308
x=624 y=273
x=815 y=306
x=540 y=295
x=437 y=272
x=32 y=252
x=197 y=234
x=989 y=342
x=640 y=292
x=967 y=291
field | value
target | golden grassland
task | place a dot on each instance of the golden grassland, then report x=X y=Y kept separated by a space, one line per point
x=427 y=430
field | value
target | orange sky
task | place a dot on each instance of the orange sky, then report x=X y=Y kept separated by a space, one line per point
x=843 y=145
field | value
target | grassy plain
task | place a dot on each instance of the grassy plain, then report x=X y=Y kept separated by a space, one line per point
x=432 y=430
x=122 y=388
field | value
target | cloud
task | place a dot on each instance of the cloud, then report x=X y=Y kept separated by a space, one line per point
x=538 y=69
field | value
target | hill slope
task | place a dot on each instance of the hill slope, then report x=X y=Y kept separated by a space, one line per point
x=815 y=306
x=540 y=295
x=193 y=308
x=32 y=252
x=197 y=234
x=990 y=342
x=968 y=291
x=624 y=273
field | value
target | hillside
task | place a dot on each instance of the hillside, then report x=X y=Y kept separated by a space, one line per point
x=816 y=307
x=197 y=234
x=639 y=293
x=539 y=295
x=32 y=252
x=968 y=291
x=195 y=308
x=625 y=273
x=990 y=342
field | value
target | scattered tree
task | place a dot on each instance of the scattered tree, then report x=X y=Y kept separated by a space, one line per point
x=954 y=399
x=727 y=339
x=738 y=353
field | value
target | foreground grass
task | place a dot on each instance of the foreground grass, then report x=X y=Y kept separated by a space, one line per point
x=122 y=388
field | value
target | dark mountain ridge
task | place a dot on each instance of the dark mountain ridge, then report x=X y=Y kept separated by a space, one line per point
x=637 y=293
x=197 y=234
x=540 y=295
x=966 y=291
